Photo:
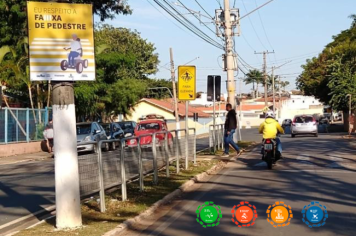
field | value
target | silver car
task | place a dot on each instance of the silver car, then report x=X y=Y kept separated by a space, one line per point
x=90 y=132
x=304 y=124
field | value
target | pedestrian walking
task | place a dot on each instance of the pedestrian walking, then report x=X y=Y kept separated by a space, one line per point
x=230 y=128
x=48 y=135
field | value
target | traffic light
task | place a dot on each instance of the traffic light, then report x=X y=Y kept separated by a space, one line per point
x=211 y=79
x=196 y=116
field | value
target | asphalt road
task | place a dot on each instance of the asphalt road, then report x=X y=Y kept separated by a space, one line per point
x=314 y=169
x=26 y=188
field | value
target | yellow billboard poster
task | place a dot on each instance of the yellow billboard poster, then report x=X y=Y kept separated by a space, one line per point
x=61 y=41
x=186 y=83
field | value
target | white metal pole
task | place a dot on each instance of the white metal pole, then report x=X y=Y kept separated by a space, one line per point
x=68 y=211
x=240 y=114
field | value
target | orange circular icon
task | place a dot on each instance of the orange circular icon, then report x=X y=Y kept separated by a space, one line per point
x=244 y=214
x=279 y=214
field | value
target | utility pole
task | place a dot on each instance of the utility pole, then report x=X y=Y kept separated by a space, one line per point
x=280 y=97
x=174 y=90
x=229 y=54
x=68 y=212
x=274 y=98
x=265 y=72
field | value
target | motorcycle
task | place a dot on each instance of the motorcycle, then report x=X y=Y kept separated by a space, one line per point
x=269 y=152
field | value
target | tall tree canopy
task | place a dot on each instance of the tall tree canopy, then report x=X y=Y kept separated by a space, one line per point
x=13 y=16
x=332 y=75
x=123 y=68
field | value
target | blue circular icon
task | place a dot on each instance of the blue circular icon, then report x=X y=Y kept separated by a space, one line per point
x=314 y=215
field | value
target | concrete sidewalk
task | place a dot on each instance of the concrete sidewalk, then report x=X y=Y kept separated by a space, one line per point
x=39 y=156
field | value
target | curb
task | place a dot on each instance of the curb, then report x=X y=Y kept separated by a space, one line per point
x=167 y=199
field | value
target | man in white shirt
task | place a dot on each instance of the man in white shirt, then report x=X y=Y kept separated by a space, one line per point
x=75 y=50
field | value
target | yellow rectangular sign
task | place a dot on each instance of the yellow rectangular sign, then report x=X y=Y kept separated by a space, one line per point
x=61 y=41
x=186 y=83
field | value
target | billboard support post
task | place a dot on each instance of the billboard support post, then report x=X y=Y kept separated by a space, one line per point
x=68 y=211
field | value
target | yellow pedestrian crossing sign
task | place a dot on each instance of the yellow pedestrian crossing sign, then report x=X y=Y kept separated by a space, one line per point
x=186 y=82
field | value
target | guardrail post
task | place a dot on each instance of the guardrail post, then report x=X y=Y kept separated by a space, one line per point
x=140 y=164
x=154 y=151
x=177 y=152
x=123 y=174
x=222 y=137
x=195 y=147
x=101 y=177
x=166 y=152
x=27 y=125
x=6 y=124
x=210 y=140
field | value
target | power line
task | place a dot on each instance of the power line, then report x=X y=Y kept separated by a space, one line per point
x=212 y=41
x=166 y=16
x=218 y=1
x=196 y=31
x=253 y=27
x=264 y=30
x=196 y=16
x=204 y=9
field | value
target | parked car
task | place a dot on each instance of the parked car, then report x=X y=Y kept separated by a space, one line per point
x=150 y=127
x=286 y=123
x=304 y=124
x=113 y=131
x=128 y=127
x=90 y=132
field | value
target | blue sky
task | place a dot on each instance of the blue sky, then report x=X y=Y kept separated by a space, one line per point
x=294 y=29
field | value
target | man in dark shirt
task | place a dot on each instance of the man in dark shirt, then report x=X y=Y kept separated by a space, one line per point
x=230 y=128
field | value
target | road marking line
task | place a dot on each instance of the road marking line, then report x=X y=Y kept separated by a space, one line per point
x=48 y=209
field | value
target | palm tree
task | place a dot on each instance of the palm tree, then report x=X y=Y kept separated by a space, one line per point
x=252 y=77
x=284 y=84
x=353 y=17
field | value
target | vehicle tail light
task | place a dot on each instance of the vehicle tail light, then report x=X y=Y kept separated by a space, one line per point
x=314 y=121
x=293 y=122
x=268 y=141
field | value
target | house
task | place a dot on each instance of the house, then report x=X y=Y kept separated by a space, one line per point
x=165 y=108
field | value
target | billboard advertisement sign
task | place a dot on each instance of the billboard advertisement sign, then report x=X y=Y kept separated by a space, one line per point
x=61 y=41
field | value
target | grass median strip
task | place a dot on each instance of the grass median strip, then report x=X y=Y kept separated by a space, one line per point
x=96 y=223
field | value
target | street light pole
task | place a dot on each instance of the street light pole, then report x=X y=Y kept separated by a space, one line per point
x=174 y=90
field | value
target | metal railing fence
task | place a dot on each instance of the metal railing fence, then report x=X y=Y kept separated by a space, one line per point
x=19 y=124
x=216 y=137
x=133 y=158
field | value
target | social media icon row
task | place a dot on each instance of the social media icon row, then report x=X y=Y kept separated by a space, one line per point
x=245 y=214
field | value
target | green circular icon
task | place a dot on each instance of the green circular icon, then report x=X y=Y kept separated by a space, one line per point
x=209 y=214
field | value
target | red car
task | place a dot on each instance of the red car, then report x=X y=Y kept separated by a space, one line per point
x=150 y=127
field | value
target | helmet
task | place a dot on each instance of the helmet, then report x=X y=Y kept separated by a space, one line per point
x=269 y=114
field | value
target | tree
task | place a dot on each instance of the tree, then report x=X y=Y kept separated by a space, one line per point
x=122 y=74
x=13 y=16
x=330 y=76
x=252 y=77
